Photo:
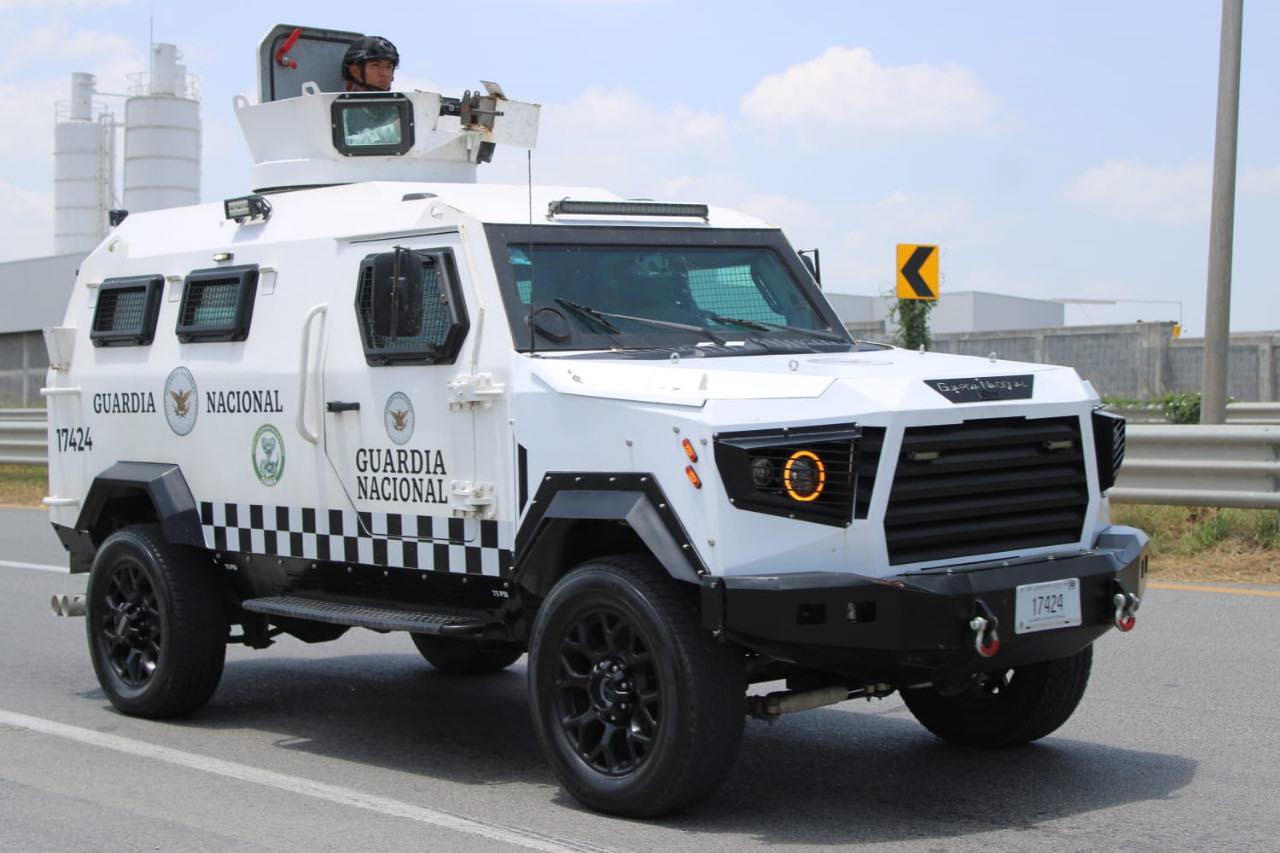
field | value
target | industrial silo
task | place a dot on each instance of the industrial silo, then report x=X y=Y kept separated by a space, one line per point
x=83 y=170
x=162 y=136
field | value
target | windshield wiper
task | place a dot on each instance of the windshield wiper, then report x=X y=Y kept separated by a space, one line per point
x=599 y=317
x=589 y=313
x=764 y=326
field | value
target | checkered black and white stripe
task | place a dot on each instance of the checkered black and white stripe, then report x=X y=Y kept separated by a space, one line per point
x=424 y=542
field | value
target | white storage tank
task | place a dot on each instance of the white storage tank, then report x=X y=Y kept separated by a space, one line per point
x=162 y=136
x=83 y=170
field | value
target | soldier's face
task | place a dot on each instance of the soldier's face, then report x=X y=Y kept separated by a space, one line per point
x=377 y=74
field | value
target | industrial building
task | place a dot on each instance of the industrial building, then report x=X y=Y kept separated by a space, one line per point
x=161 y=168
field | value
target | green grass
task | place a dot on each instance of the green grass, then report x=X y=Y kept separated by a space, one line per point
x=1190 y=531
x=23 y=485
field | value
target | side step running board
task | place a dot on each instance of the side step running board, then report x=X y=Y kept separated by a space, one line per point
x=362 y=614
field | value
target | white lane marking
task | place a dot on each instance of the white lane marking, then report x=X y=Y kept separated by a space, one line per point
x=35 y=567
x=298 y=785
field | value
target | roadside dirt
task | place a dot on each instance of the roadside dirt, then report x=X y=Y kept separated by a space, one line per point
x=1218 y=566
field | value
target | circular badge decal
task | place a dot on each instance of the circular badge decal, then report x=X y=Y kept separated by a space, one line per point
x=181 y=401
x=268 y=455
x=397 y=417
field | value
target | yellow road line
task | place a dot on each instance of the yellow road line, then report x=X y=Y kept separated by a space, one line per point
x=1225 y=590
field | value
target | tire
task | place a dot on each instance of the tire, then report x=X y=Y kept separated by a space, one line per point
x=639 y=710
x=156 y=624
x=457 y=656
x=1025 y=705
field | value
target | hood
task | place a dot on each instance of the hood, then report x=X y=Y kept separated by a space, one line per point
x=886 y=376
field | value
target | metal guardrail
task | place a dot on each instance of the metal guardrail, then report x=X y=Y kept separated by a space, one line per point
x=23 y=437
x=1237 y=413
x=1236 y=465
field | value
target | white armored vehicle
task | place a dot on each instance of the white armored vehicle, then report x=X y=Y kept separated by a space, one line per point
x=630 y=438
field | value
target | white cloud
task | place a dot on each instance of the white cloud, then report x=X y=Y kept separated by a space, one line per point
x=60 y=5
x=847 y=88
x=617 y=140
x=58 y=45
x=1135 y=191
x=1259 y=180
x=26 y=222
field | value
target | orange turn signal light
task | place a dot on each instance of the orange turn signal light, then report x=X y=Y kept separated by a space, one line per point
x=689 y=451
x=693 y=476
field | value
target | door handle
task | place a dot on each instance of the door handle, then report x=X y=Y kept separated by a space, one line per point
x=338 y=406
x=304 y=375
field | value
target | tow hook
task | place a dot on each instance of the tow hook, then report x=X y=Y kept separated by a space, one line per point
x=986 y=640
x=1126 y=608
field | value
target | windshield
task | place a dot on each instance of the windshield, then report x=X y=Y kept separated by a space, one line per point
x=655 y=294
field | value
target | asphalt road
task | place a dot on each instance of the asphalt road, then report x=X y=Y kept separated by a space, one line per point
x=358 y=743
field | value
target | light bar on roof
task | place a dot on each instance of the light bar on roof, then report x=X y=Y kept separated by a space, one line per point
x=625 y=208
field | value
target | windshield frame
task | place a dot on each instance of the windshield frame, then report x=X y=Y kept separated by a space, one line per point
x=503 y=237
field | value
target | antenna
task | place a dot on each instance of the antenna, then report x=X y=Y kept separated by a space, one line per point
x=533 y=335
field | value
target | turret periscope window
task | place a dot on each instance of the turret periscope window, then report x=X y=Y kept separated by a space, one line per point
x=372 y=123
x=409 y=308
x=126 y=311
x=217 y=304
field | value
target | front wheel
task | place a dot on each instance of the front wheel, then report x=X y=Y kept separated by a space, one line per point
x=1007 y=709
x=637 y=708
x=156 y=624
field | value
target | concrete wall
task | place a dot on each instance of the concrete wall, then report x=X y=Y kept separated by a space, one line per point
x=1138 y=361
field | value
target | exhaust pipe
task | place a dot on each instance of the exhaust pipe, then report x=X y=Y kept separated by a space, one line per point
x=67 y=605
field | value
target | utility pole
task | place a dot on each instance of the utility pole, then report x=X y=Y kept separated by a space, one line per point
x=1217 y=312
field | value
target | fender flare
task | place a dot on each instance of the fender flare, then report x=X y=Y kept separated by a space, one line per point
x=634 y=500
x=162 y=483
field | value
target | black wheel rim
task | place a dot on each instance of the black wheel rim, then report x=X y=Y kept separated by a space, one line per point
x=607 y=692
x=129 y=627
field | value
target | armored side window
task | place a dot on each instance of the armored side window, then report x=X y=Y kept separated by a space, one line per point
x=217 y=304
x=127 y=310
x=409 y=308
x=372 y=123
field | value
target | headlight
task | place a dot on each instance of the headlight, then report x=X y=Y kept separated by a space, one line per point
x=805 y=476
x=763 y=473
x=805 y=473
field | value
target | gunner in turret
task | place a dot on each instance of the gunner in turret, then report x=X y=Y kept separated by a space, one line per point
x=370 y=65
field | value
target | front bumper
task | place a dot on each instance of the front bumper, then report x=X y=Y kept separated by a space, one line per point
x=916 y=627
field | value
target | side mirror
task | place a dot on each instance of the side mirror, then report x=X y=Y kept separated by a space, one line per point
x=396 y=306
x=813 y=264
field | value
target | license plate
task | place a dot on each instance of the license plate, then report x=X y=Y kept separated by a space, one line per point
x=1043 y=606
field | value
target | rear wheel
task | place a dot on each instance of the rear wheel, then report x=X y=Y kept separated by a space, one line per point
x=1009 y=709
x=458 y=656
x=638 y=709
x=156 y=624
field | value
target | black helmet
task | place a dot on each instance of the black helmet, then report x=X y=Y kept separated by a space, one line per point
x=366 y=49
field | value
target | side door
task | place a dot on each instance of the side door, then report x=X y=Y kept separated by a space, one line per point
x=397 y=447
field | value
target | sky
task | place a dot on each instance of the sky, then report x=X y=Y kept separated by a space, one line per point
x=1052 y=149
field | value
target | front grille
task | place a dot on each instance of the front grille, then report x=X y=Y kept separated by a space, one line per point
x=986 y=486
x=868 y=462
